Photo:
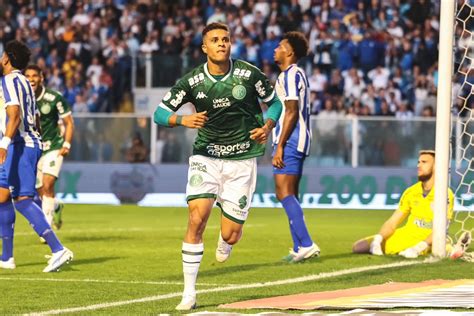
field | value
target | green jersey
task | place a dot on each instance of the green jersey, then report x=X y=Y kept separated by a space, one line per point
x=232 y=107
x=52 y=106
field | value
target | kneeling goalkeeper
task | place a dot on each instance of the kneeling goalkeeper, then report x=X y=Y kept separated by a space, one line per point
x=415 y=237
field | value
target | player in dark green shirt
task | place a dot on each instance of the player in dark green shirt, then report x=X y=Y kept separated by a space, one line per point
x=52 y=108
x=232 y=133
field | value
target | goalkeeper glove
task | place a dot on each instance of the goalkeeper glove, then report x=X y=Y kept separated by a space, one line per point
x=376 y=245
x=414 y=251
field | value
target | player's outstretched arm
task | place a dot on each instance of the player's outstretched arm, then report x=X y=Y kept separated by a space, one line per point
x=14 y=120
x=196 y=120
x=167 y=118
x=289 y=123
x=260 y=134
x=387 y=230
x=69 y=131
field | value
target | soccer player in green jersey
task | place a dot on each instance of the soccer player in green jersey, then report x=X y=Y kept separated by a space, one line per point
x=232 y=133
x=52 y=108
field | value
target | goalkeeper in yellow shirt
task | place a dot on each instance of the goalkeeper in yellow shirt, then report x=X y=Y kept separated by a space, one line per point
x=415 y=237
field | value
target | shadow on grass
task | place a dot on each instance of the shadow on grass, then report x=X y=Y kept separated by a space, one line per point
x=75 y=262
x=95 y=238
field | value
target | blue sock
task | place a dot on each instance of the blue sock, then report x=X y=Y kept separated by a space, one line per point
x=295 y=216
x=7 y=223
x=38 y=200
x=296 y=240
x=37 y=220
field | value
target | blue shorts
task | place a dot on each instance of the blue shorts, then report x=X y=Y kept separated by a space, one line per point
x=19 y=170
x=293 y=161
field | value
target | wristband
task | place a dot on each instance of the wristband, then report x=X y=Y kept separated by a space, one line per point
x=378 y=238
x=421 y=246
x=67 y=145
x=179 y=119
x=5 y=142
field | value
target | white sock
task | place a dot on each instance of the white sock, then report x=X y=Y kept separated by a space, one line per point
x=48 y=208
x=56 y=204
x=192 y=256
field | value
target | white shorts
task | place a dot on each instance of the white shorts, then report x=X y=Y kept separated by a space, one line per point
x=230 y=182
x=50 y=163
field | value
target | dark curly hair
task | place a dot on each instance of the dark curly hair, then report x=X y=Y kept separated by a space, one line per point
x=18 y=54
x=298 y=42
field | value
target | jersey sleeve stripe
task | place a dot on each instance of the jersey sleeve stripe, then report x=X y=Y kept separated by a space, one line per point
x=270 y=97
x=163 y=106
x=65 y=114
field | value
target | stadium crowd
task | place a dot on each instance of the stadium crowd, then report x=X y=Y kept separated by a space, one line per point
x=367 y=57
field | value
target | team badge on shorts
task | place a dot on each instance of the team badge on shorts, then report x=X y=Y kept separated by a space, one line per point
x=243 y=202
x=239 y=92
x=196 y=180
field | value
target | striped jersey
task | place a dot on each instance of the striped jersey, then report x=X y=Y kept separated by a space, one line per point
x=15 y=90
x=292 y=84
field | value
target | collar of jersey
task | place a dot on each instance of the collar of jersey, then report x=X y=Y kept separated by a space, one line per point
x=42 y=93
x=289 y=67
x=206 y=71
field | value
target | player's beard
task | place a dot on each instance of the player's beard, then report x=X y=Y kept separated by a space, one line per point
x=425 y=177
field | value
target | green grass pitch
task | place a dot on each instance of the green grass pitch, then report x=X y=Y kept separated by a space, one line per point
x=128 y=252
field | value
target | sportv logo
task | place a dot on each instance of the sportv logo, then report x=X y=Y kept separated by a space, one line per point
x=218 y=150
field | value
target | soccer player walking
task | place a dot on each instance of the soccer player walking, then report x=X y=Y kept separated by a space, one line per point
x=52 y=108
x=20 y=150
x=292 y=139
x=232 y=133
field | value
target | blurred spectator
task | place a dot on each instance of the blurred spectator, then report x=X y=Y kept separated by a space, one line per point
x=389 y=44
x=138 y=152
x=171 y=151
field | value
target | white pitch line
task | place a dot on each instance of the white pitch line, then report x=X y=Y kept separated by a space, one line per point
x=126 y=229
x=107 y=281
x=313 y=277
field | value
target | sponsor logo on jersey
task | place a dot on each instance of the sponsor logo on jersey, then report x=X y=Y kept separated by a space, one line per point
x=45 y=109
x=196 y=80
x=239 y=92
x=201 y=95
x=423 y=224
x=239 y=213
x=221 y=103
x=242 y=73
x=219 y=150
x=49 y=97
x=178 y=99
x=167 y=96
x=60 y=107
x=260 y=89
x=198 y=166
x=195 y=180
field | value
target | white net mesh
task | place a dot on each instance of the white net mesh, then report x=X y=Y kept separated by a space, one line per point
x=463 y=141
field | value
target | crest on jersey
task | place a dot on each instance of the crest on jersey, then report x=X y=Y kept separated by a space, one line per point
x=196 y=180
x=45 y=109
x=239 y=92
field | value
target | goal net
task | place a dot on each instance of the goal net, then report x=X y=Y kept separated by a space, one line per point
x=463 y=112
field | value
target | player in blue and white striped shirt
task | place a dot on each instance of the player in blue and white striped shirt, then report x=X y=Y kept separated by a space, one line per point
x=20 y=150
x=292 y=139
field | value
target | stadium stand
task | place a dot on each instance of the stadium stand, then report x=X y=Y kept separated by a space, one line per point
x=384 y=51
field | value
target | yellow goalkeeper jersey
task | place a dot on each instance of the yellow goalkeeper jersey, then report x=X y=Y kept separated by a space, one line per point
x=420 y=208
x=419 y=224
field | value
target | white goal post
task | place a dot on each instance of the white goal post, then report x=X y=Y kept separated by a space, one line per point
x=443 y=126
